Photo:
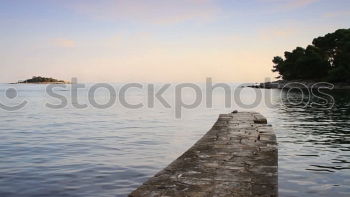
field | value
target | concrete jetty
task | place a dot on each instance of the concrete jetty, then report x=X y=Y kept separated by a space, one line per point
x=237 y=157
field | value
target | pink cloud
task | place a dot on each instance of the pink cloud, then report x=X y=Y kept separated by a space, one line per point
x=341 y=13
x=152 y=11
x=65 y=43
x=300 y=3
x=290 y=4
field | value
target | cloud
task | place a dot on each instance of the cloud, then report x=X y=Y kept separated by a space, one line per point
x=335 y=14
x=271 y=33
x=151 y=11
x=64 y=43
x=290 y=4
x=299 y=3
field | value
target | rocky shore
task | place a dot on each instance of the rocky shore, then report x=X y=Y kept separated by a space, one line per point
x=283 y=84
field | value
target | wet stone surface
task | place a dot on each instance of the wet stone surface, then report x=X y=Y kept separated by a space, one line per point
x=237 y=157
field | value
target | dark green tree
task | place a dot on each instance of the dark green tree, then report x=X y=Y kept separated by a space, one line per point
x=328 y=58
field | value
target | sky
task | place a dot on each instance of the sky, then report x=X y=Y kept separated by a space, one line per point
x=158 y=40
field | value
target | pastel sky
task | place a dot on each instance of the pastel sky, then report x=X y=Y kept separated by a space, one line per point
x=158 y=40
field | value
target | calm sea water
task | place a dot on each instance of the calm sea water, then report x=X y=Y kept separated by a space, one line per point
x=110 y=152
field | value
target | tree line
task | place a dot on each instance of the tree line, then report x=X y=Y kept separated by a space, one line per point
x=39 y=79
x=327 y=59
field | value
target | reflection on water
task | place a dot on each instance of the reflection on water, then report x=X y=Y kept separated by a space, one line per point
x=314 y=143
x=92 y=152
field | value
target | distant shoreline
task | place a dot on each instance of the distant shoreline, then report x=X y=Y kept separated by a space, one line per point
x=42 y=83
x=41 y=80
x=283 y=84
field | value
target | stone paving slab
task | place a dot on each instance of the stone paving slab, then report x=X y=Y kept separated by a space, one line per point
x=238 y=157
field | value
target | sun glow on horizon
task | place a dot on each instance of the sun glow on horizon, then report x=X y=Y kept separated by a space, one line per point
x=158 y=41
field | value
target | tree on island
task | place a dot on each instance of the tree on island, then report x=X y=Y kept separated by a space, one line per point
x=42 y=80
x=327 y=59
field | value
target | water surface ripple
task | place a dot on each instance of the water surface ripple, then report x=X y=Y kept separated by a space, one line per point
x=110 y=152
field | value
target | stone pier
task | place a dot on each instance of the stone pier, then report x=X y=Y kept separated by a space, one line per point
x=237 y=157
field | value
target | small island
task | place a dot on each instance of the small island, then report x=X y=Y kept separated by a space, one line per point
x=327 y=59
x=42 y=80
